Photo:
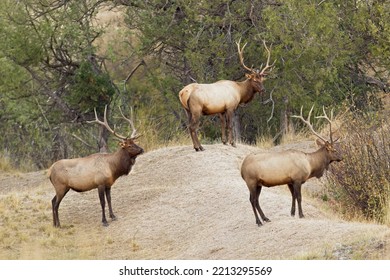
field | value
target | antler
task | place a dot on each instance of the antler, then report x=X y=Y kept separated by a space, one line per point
x=267 y=66
x=325 y=116
x=134 y=134
x=307 y=121
x=240 y=53
x=105 y=124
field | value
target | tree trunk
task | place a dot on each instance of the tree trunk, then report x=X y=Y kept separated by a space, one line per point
x=285 y=126
x=103 y=139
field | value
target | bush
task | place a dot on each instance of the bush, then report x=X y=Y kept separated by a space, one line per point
x=360 y=185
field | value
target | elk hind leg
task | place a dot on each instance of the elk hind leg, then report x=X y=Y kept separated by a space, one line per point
x=194 y=124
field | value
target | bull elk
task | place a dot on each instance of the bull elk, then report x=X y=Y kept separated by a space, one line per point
x=289 y=167
x=222 y=97
x=94 y=171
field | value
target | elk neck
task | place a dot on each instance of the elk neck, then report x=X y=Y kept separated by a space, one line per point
x=319 y=162
x=247 y=91
x=121 y=163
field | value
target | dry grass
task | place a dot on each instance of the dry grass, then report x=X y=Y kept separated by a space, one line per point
x=5 y=163
x=176 y=204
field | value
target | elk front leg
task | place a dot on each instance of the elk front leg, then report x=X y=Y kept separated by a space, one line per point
x=291 y=188
x=55 y=203
x=254 y=199
x=295 y=190
x=101 y=190
x=222 y=116
x=229 y=121
x=108 y=197
x=298 y=195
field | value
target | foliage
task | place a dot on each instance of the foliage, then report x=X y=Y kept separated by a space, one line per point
x=90 y=88
x=360 y=185
x=58 y=62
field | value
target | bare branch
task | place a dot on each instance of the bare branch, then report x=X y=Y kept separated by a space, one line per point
x=270 y=99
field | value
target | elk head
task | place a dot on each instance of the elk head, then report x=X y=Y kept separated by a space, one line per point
x=126 y=143
x=256 y=76
x=329 y=144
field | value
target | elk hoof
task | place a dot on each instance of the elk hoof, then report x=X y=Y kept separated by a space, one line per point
x=105 y=224
x=199 y=149
x=266 y=220
x=301 y=216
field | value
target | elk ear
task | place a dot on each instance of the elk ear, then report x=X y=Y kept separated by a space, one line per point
x=249 y=76
x=122 y=144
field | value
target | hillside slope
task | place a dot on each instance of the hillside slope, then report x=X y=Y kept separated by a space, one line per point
x=178 y=204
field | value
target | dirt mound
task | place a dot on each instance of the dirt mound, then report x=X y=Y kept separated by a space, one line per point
x=180 y=204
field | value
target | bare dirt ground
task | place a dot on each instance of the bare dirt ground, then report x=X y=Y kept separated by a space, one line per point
x=179 y=204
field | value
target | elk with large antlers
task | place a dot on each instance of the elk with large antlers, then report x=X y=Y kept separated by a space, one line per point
x=95 y=171
x=222 y=97
x=289 y=167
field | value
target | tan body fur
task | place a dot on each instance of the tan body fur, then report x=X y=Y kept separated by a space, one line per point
x=94 y=171
x=222 y=97
x=84 y=174
x=289 y=167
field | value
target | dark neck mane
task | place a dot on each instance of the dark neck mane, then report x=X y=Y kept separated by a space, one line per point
x=319 y=161
x=247 y=91
x=121 y=163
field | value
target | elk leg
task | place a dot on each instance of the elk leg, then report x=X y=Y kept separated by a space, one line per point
x=108 y=197
x=194 y=124
x=222 y=116
x=291 y=188
x=55 y=203
x=229 y=120
x=258 y=191
x=254 y=200
x=297 y=189
x=101 y=190
x=253 y=203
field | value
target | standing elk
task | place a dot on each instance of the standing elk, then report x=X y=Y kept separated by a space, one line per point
x=222 y=97
x=289 y=167
x=94 y=171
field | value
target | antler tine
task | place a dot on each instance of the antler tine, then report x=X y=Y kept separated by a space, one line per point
x=105 y=124
x=267 y=66
x=134 y=134
x=307 y=122
x=240 y=54
x=325 y=116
